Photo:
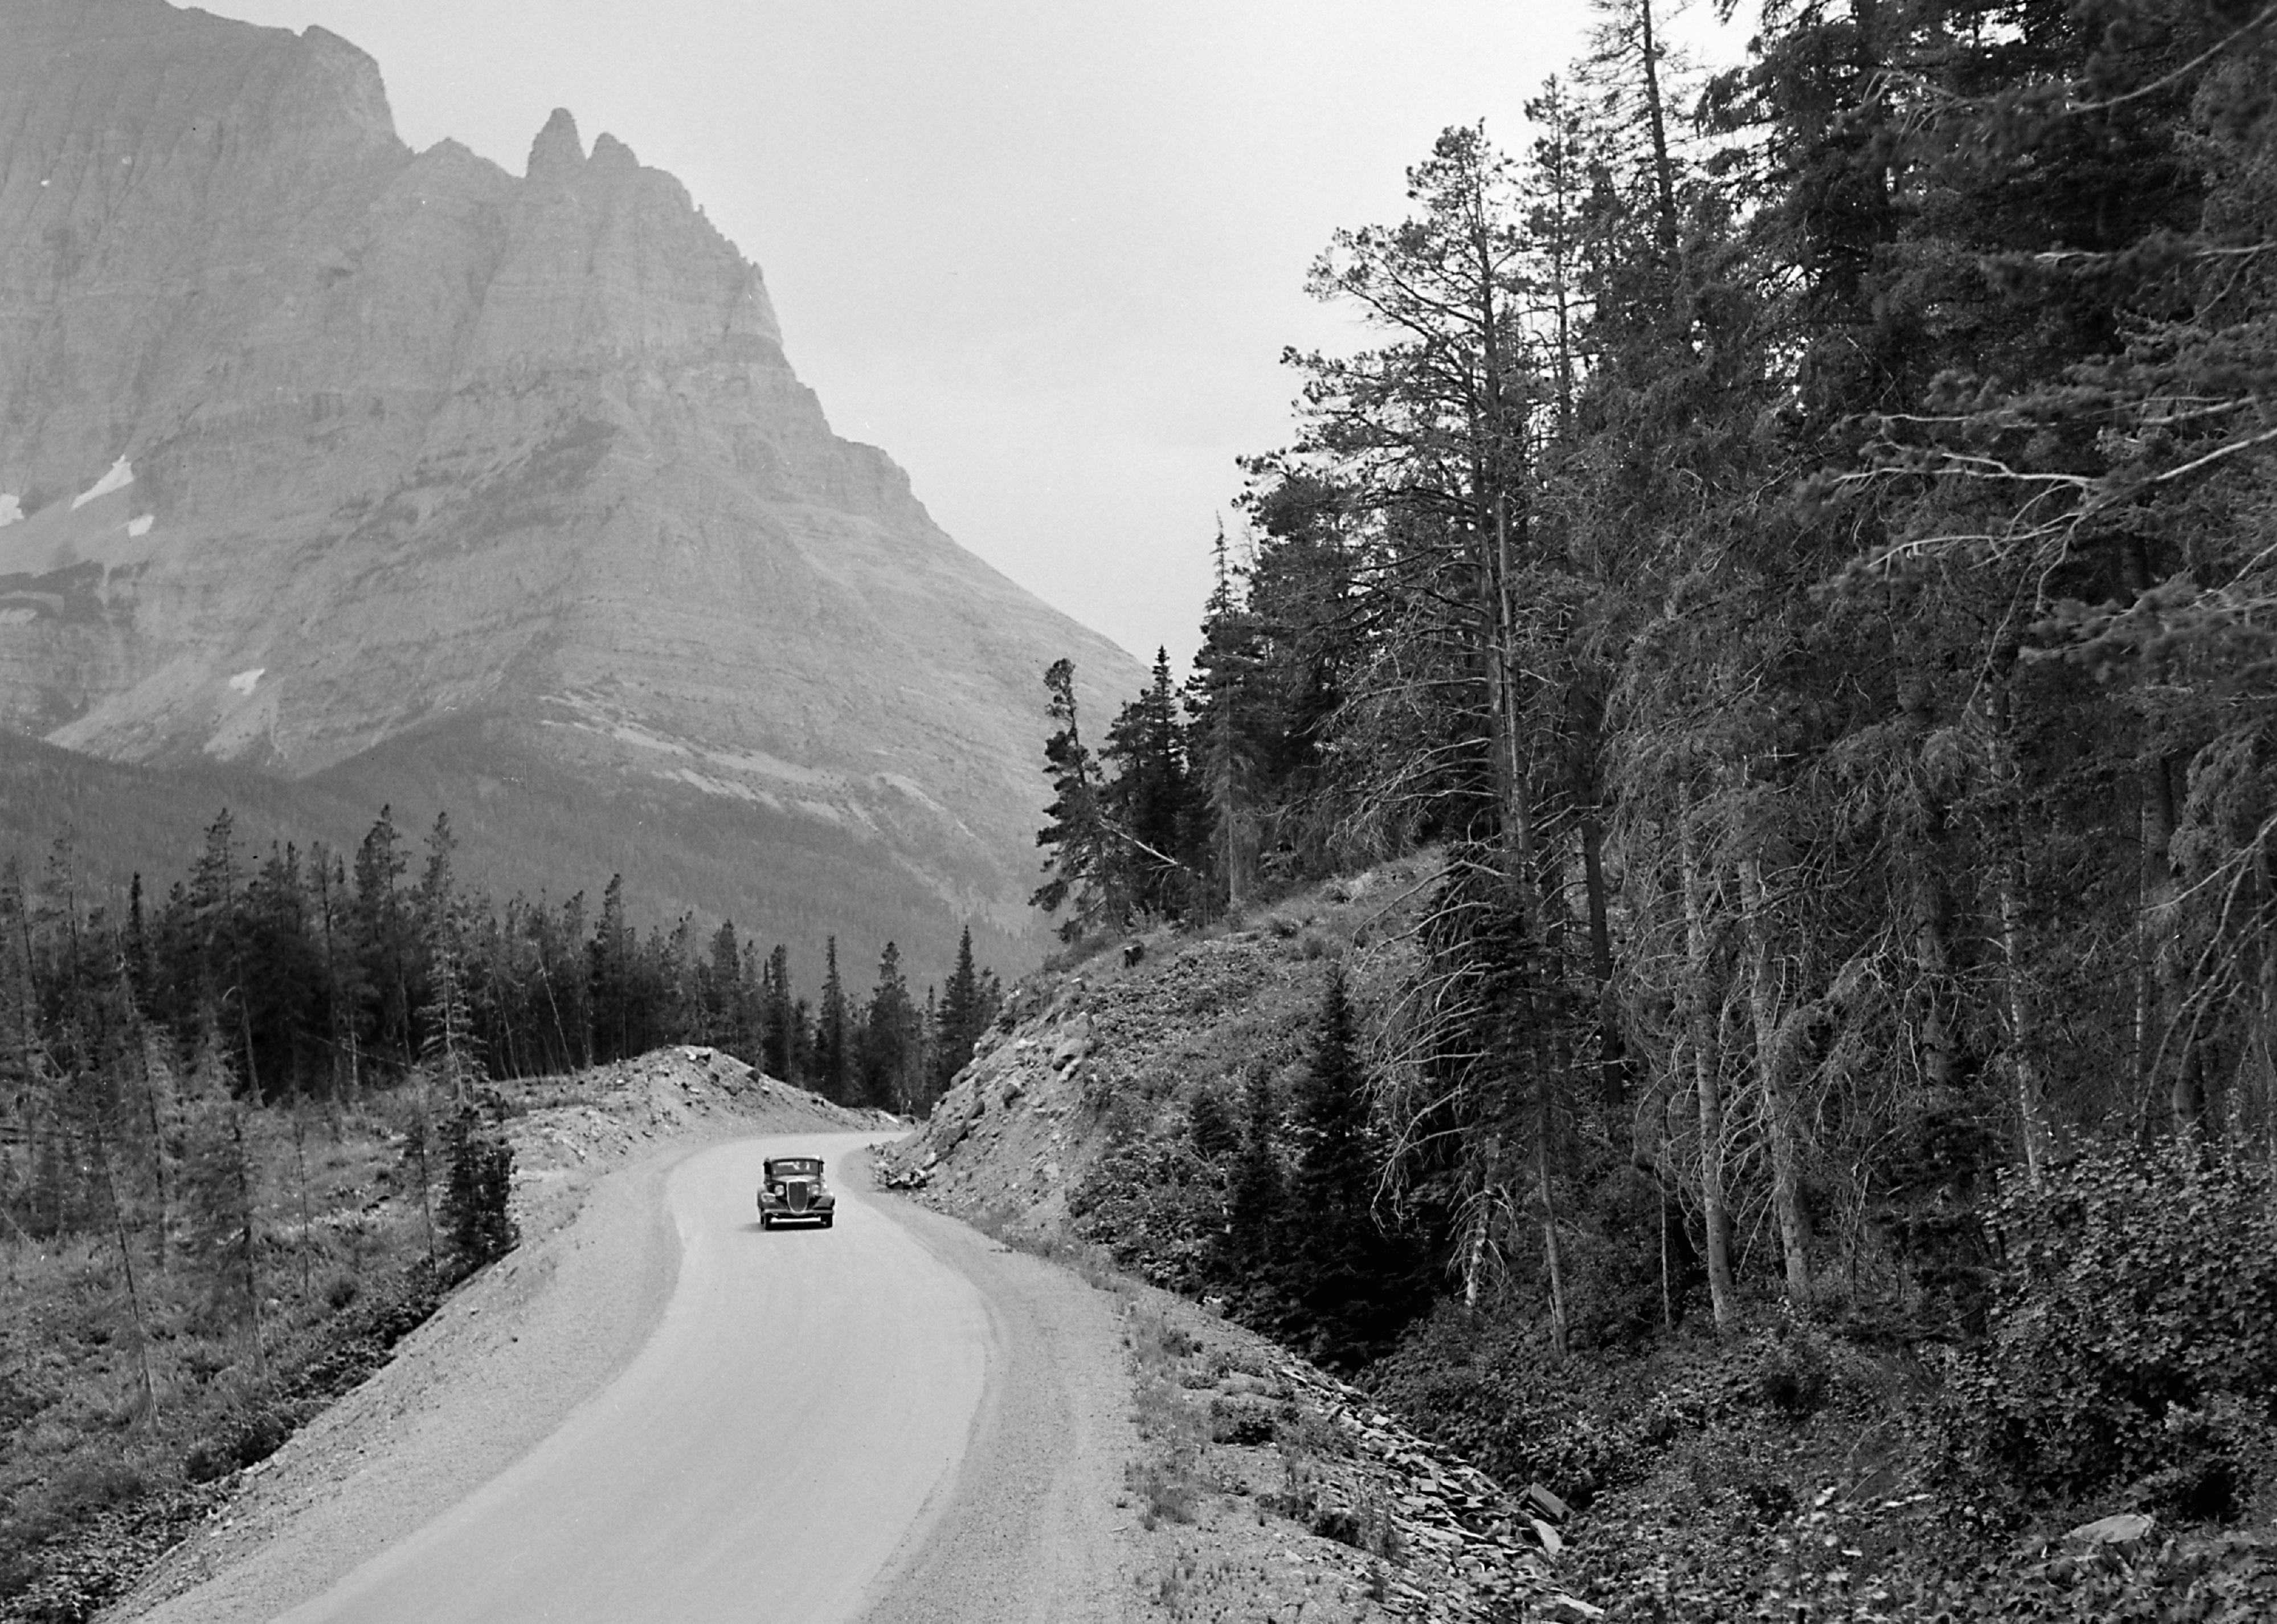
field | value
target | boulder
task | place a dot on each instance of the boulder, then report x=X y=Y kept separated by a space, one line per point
x=2123 y=1529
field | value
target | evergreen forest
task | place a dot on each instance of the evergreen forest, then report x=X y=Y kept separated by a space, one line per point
x=326 y=978
x=1790 y=556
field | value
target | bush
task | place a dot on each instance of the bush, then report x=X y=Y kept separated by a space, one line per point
x=2133 y=1335
x=1157 y=1207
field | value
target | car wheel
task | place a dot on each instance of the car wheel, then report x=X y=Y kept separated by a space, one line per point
x=827 y=1217
x=766 y=1221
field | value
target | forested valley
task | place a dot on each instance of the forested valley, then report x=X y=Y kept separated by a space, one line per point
x=314 y=979
x=1796 y=554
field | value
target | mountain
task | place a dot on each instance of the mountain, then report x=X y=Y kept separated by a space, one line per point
x=391 y=475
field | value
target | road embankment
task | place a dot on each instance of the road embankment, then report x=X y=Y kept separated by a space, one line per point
x=505 y=1360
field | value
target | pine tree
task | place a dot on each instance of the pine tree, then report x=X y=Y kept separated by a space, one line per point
x=477 y=1182
x=1354 y=1284
x=1255 y=1195
x=780 y=1020
x=891 y=1047
x=831 y=1058
x=385 y=939
x=724 y=1018
x=613 y=953
x=454 y=1084
x=1149 y=807
x=964 y=1014
x=1221 y=704
x=1081 y=865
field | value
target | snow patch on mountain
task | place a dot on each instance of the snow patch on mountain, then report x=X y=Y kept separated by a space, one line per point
x=245 y=682
x=11 y=509
x=120 y=476
x=140 y=527
x=910 y=788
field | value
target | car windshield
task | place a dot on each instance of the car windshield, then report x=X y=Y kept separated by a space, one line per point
x=795 y=1170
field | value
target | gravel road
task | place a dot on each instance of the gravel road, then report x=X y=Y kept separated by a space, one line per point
x=894 y=1419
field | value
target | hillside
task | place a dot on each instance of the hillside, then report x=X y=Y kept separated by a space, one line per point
x=406 y=478
x=1835 y=1461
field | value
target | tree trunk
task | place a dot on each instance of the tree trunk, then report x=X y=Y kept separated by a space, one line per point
x=1706 y=1065
x=1932 y=924
x=243 y=1156
x=133 y=1292
x=2158 y=993
x=300 y=1171
x=1552 y=1254
x=1475 y=1244
x=2031 y=1115
x=154 y=1120
x=2266 y=1028
x=1663 y=171
x=1772 y=1079
x=1613 y=1075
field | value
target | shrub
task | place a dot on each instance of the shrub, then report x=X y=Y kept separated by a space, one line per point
x=2133 y=1332
x=1157 y=1207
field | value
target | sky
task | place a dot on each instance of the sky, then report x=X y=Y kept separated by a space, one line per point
x=1046 y=252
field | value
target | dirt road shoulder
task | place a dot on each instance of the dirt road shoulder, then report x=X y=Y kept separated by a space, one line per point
x=1036 y=1527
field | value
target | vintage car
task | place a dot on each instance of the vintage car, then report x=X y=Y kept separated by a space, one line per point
x=793 y=1191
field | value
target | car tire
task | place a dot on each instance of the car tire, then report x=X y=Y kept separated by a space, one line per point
x=766 y=1221
x=826 y=1218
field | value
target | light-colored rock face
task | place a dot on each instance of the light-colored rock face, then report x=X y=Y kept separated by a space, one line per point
x=308 y=442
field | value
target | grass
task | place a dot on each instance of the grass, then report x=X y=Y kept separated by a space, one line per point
x=1082 y=1258
x=113 y=1444
x=1166 y=1476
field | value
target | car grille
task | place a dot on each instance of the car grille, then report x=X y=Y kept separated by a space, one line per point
x=797 y=1195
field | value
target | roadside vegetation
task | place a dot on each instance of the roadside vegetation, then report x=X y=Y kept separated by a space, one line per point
x=1793 y=576
x=126 y=1416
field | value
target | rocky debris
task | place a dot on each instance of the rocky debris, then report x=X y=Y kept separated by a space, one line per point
x=1274 y=1490
x=887 y=1173
x=629 y=1105
x=1475 y=1550
x=1074 y=1042
x=1011 y=1129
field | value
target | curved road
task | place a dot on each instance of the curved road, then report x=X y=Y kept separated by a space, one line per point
x=793 y=1425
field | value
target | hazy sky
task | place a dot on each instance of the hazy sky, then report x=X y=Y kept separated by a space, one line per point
x=1046 y=252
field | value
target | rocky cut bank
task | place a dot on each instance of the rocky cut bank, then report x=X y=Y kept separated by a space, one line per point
x=397 y=476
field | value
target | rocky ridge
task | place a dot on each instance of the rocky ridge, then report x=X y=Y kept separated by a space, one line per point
x=344 y=463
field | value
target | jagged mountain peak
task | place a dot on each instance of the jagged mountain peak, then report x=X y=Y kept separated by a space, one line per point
x=557 y=154
x=461 y=455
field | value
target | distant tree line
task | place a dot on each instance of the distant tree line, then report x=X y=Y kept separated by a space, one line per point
x=1806 y=555
x=322 y=977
